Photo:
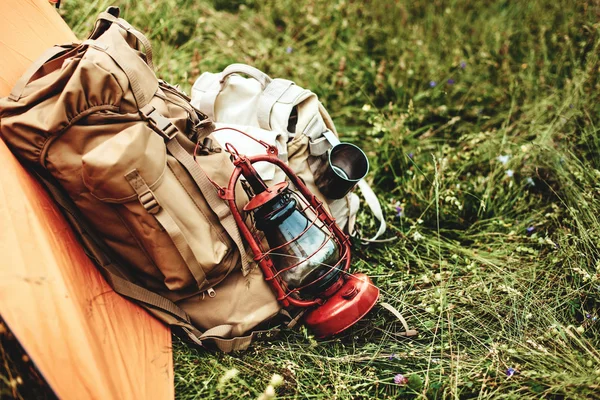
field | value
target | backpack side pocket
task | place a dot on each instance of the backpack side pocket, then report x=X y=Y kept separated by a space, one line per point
x=187 y=244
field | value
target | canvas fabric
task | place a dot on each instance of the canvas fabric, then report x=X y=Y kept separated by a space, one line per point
x=282 y=114
x=116 y=147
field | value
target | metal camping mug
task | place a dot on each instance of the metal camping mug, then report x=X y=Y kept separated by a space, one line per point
x=345 y=166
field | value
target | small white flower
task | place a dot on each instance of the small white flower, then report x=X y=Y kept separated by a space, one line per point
x=270 y=391
x=276 y=380
x=510 y=173
x=230 y=374
x=503 y=159
x=226 y=377
x=530 y=181
x=417 y=236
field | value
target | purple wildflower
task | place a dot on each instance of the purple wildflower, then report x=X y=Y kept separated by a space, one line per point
x=463 y=64
x=588 y=316
x=399 y=211
x=432 y=84
x=392 y=356
x=411 y=155
x=450 y=81
x=530 y=229
x=510 y=372
x=289 y=49
x=400 y=379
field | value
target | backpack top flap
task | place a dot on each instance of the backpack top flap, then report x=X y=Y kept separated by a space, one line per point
x=96 y=75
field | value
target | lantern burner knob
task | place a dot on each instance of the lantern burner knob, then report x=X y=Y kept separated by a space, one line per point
x=350 y=293
x=266 y=196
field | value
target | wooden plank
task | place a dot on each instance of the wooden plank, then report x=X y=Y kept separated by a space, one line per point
x=87 y=341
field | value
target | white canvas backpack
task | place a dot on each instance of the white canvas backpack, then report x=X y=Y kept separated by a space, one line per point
x=280 y=113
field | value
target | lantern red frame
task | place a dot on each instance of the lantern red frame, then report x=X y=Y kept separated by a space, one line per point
x=284 y=295
x=348 y=299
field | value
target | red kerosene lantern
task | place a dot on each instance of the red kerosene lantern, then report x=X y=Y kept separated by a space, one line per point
x=308 y=257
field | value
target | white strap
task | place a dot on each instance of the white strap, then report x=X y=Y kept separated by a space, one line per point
x=270 y=95
x=245 y=69
x=209 y=98
x=321 y=142
x=373 y=203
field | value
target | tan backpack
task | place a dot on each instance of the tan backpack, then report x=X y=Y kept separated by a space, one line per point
x=116 y=147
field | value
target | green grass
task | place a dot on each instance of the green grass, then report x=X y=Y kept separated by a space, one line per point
x=496 y=264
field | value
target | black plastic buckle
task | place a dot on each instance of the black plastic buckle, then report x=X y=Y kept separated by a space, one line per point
x=159 y=123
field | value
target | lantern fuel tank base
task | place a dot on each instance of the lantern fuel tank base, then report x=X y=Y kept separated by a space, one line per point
x=347 y=306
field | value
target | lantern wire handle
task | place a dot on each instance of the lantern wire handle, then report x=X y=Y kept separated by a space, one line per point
x=261 y=142
x=271 y=150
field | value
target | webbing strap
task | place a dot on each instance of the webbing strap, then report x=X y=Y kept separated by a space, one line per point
x=373 y=203
x=218 y=335
x=135 y=292
x=126 y=26
x=168 y=131
x=270 y=95
x=123 y=61
x=151 y=203
x=219 y=207
x=52 y=52
x=318 y=147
